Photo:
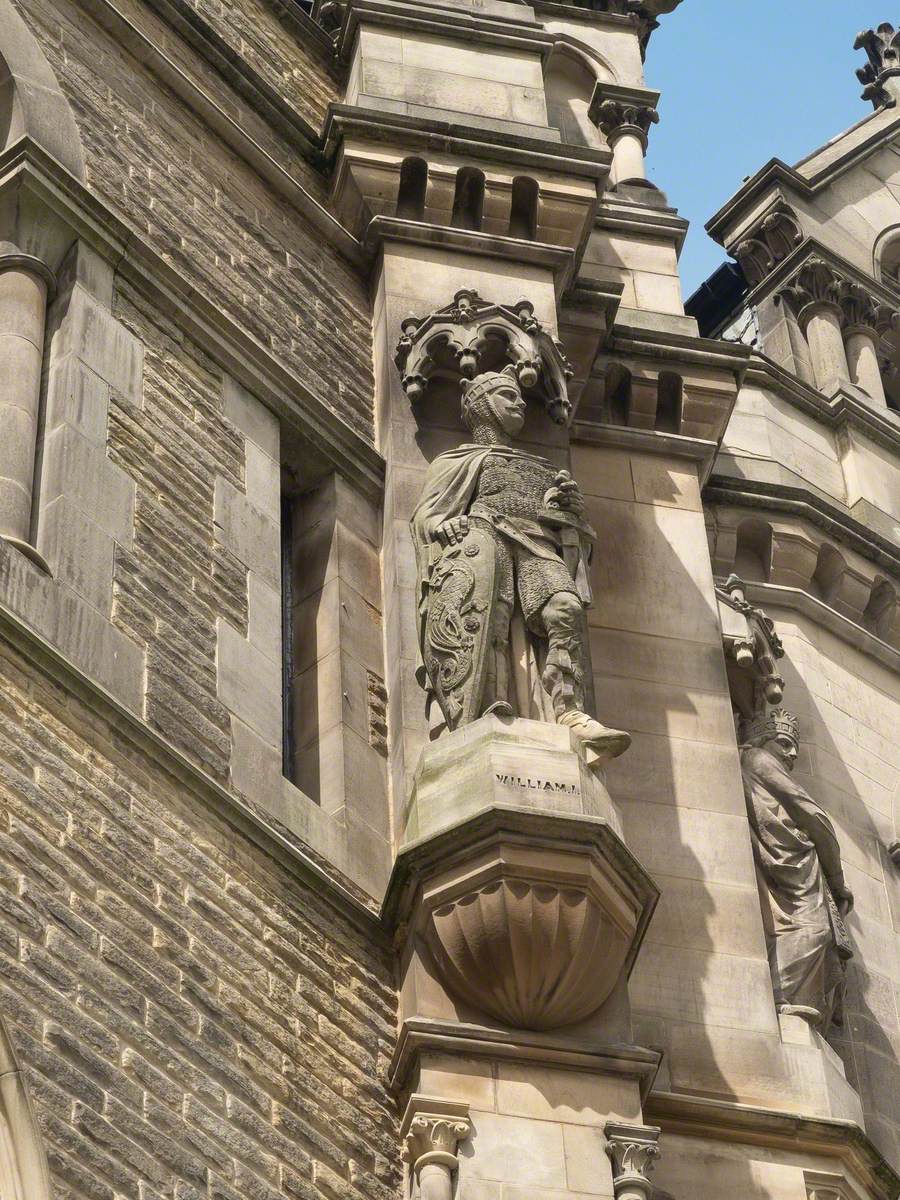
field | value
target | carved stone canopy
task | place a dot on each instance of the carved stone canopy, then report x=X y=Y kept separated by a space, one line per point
x=882 y=45
x=471 y=335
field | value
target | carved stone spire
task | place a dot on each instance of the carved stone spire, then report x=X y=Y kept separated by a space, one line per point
x=633 y=1150
x=880 y=75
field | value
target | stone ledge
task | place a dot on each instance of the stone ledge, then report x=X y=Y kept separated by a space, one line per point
x=432 y=17
x=694 y=1116
x=602 y=1058
x=649 y=441
x=769 y=595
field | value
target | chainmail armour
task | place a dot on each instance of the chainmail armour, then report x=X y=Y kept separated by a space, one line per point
x=516 y=488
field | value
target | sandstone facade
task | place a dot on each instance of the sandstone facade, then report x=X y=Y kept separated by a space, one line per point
x=272 y=926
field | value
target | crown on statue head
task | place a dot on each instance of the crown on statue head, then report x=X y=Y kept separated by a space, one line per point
x=770 y=725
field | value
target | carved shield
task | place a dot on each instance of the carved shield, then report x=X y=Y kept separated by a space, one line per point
x=461 y=600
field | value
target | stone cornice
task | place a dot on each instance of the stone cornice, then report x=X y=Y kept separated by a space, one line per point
x=694 y=1116
x=455 y=1037
x=649 y=441
x=772 y=595
x=469 y=142
x=681 y=348
x=127 y=34
x=776 y=173
x=837 y=411
x=433 y=18
x=624 y=216
x=27 y=166
x=187 y=20
x=800 y=502
x=809 y=249
x=558 y=259
x=262 y=829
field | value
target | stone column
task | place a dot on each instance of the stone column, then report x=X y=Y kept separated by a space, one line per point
x=861 y=342
x=431 y=1142
x=821 y=322
x=633 y=1150
x=624 y=117
x=24 y=285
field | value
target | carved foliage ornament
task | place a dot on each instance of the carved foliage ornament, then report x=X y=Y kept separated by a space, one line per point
x=818 y=283
x=634 y=1150
x=615 y=117
x=462 y=336
x=752 y=650
x=768 y=244
x=434 y=1139
x=882 y=45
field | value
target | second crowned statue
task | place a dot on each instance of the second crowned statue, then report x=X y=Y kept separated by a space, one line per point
x=502 y=551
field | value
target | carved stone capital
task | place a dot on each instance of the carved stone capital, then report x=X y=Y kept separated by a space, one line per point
x=633 y=1150
x=882 y=45
x=615 y=118
x=768 y=244
x=815 y=284
x=432 y=1131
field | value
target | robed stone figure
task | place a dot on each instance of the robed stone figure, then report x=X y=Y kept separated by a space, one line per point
x=502 y=551
x=805 y=897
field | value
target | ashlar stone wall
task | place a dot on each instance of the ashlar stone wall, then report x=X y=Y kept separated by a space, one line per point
x=849 y=709
x=192 y=1018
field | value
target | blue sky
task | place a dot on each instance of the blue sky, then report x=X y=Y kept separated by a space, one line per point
x=744 y=81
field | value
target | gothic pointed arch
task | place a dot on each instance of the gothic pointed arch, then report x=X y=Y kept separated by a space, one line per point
x=23 y=1166
x=32 y=103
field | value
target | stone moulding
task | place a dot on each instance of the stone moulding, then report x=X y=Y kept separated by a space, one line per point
x=530 y=918
x=420 y=1035
x=743 y=1124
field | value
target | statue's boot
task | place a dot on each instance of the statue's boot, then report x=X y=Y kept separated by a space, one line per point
x=605 y=743
x=562 y=677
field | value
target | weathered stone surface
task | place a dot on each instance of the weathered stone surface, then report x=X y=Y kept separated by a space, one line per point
x=189 y=1019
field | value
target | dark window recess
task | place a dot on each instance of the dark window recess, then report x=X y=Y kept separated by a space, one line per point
x=413 y=189
x=669 y=402
x=468 y=199
x=288 y=740
x=523 y=214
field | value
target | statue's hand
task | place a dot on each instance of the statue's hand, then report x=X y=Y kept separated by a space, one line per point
x=449 y=533
x=843 y=898
x=565 y=494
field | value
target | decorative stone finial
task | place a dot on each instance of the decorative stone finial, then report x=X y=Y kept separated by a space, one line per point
x=882 y=45
x=633 y=1150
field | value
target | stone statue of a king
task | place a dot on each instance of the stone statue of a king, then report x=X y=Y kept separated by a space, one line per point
x=502 y=550
x=805 y=898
